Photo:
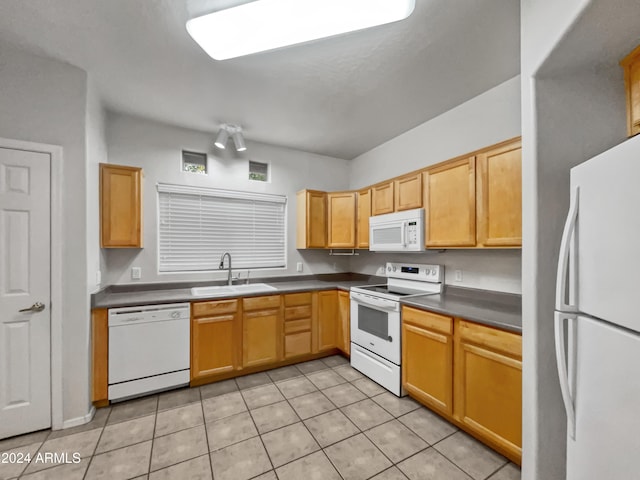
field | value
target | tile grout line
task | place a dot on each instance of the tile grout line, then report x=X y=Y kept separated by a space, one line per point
x=153 y=436
x=206 y=433
x=97 y=443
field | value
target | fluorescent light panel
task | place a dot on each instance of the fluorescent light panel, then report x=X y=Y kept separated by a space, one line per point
x=269 y=24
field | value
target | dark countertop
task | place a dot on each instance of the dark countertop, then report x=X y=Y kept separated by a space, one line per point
x=495 y=309
x=154 y=294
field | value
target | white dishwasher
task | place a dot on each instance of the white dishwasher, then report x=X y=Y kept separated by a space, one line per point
x=148 y=349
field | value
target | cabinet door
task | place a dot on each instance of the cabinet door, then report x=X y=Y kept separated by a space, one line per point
x=311 y=228
x=488 y=385
x=261 y=334
x=344 y=325
x=327 y=319
x=120 y=206
x=382 y=199
x=342 y=220
x=214 y=345
x=499 y=184
x=427 y=358
x=364 y=212
x=631 y=65
x=450 y=204
x=408 y=192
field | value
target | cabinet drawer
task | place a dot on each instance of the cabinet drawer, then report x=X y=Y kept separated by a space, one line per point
x=261 y=303
x=507 y=342
x=432 y=321
x=295 y=299
x=205 y=309
x=293 y=326
x=303 y=311
x=297 y=344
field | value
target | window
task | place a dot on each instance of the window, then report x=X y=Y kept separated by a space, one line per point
x=197 y=225
x=258 y=171
x=194 y=162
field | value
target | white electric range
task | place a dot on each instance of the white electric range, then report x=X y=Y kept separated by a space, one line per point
x=375 y=320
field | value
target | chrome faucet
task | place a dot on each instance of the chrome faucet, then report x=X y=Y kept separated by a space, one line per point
x=221 y=266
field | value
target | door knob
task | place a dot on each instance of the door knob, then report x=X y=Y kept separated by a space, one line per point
x=36 y=307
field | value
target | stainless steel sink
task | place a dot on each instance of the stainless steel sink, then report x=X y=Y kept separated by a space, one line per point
x=225 y=290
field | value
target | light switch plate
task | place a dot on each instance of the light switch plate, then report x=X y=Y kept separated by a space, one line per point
x=299 y=266
x=458 y=275
x=136 y=273
x=98 y=277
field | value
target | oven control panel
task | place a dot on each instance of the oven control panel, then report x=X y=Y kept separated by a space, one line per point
x=420 y=272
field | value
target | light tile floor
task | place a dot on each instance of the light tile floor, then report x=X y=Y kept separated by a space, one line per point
x=316 y=420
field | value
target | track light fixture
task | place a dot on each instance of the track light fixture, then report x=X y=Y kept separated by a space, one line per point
x=235 y=132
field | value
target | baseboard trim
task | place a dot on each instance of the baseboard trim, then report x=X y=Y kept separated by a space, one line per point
x=75 y=422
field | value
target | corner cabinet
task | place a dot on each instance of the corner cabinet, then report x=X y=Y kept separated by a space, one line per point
x=450 y=203
x=341 y=213
x=311 y=221
x=499 y=196
x=327 y=324
x=120 y=206
x=344 y=322
x=215 y=337
x=631 y=66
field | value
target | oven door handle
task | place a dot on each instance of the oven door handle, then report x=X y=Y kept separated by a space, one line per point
x=379 y=304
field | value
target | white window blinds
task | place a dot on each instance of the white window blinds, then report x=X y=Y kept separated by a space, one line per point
x=197 y=225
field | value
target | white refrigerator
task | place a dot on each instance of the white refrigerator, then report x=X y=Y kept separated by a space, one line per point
x=597 y=319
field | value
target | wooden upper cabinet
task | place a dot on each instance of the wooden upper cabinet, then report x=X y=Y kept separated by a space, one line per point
x=382 y=198
x=311 y=228
x=427 y=358
x=450 y=204
x=488 y=385
x=499 y=190
x=364 y=212
x=342 y=219
x=631 y=66
x=408 y=192
x=327 y=320
x=120 y=206
x=215 y=338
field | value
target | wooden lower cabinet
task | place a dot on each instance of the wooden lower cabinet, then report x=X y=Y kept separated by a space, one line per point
x=215 y=335
x=298 y=321
x=327 y=323
x=261 y=330
x=100 y=357
x=427 y=358
x=488 y=385
x=471 y=374
x=344 y=324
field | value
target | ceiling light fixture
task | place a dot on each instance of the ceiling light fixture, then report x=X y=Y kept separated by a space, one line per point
x=269 y=24
x=235 y=132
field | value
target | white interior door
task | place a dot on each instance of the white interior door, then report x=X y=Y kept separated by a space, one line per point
x=25 y=358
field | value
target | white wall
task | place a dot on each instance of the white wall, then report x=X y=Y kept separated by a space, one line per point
x=42 y=100
x=157 y=149
x=489 y=118
x=572 y=109
x=96 y=154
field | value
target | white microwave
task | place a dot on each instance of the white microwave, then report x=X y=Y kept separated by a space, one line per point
x=397 y=232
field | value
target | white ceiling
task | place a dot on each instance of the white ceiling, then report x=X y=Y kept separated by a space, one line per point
x=340 y=96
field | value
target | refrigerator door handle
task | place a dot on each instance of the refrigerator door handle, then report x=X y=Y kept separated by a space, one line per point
x=562 y=277
x=561 y=361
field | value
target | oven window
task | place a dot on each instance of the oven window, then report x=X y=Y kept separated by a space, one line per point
x=373 y=322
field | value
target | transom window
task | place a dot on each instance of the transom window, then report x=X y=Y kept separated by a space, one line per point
x=197 y=225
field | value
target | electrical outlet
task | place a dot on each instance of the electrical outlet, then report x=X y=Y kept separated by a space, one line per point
x=98 y=277
x=458 y=275
x=299 y=267
x=136 y=273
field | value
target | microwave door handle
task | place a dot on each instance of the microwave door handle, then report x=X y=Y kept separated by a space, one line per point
x=403 y=236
